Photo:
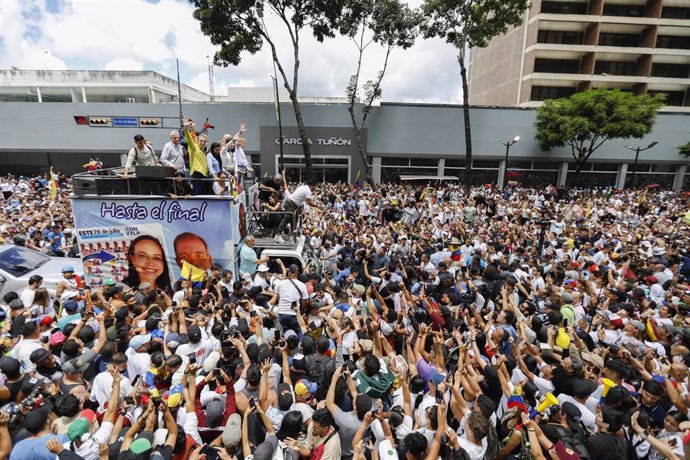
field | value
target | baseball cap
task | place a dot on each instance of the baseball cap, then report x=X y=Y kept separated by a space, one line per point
x=140 y=446
x=38 y=355
x=293 y=268
x=109 y=282
x=173 y=340
x=46 y=321
x=139 y=340
x=78 y=428
x=366 y=345
x=638 y=324
x=593 y=359
x=74 y=366
x=232 y=434
x=70 y=305
x=285 y=399
x=304 y=386
x=194 y=332
x=262 y=268
x=572 y=414
x=67 y=269
x=144 y=285
x=174 y=400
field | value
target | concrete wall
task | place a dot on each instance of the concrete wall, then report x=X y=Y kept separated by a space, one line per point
x=393 y=130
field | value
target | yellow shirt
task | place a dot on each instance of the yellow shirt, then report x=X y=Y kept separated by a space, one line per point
x=197 y=157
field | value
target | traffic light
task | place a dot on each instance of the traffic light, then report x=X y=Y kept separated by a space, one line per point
x=94 y=121
x=149 y=122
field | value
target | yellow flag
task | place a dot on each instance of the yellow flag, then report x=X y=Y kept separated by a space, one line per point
x=650 y=330
x=53 y=186
x=589 y=208
x=192 y=273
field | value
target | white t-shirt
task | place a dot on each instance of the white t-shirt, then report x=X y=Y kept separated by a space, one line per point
x=103 y=387
x=301 y=195
x=473 y=450
x=288 y=294
x=27 y=296
x=89 y=449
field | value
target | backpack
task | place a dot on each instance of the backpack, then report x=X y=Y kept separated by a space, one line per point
x=572 y=441
x=525 y=452
x=491 y=443
x=320 y=369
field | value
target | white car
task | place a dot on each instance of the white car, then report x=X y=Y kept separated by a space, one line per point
x=18 y=264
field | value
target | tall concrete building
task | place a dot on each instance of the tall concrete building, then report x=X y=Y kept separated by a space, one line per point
x=564 y=47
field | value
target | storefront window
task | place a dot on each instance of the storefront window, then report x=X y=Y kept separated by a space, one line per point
x=393 y=174
x=533 y=178
x=644 y=179
x=591 y=179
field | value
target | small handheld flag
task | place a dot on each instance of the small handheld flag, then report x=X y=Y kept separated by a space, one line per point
x=192 y=273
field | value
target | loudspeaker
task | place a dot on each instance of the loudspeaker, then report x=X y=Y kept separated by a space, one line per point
x=152 y=187
x=114 y=186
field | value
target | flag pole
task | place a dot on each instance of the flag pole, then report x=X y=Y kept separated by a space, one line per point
x=278 y=116
x=179 y=90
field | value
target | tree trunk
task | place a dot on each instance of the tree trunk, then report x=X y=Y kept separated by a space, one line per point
x=302 y=134
x=466 y=118
x=363 y=156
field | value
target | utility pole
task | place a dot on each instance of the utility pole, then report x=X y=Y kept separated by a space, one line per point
x=515 y=140
x=637 y=151
x=211 y=80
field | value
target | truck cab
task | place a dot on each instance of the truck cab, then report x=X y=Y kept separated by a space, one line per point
x=298 y=252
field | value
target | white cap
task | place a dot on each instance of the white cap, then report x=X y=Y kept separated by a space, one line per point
x=262 y=268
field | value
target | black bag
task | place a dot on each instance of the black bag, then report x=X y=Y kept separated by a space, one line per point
x=572 y=441
x=320 y=369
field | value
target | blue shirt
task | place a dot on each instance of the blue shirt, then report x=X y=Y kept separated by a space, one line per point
x=35 y=448
x=247 y=260
x=55 y=245
x=212 y=163
x=342 y=276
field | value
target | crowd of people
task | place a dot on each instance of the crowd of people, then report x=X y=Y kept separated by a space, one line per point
x=503 y=324
x=214 y=168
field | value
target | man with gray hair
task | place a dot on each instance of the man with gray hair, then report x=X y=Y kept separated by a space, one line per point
x=172 y=153
x=268 y=186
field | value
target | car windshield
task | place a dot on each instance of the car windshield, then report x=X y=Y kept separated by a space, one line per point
x=19 y=261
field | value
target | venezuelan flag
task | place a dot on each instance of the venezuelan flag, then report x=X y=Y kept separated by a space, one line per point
x=53 y=185
x=192 y=273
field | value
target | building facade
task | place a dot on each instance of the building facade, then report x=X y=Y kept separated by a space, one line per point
x=564 y=47
x=400 y=139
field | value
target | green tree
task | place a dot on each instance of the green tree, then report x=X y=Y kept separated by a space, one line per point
x=388 y=23
x=238 y=25
x=684 y=149
x=585 y=121
x=467 y=24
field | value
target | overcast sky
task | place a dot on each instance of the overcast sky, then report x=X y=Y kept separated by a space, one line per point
x=150 y=34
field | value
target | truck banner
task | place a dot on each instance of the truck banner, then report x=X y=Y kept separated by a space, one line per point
x=146 y=240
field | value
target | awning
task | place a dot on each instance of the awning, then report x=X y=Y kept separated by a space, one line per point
x=404 y=178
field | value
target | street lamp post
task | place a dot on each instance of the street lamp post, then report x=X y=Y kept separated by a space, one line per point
x=505 y=165
x=637 y=151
